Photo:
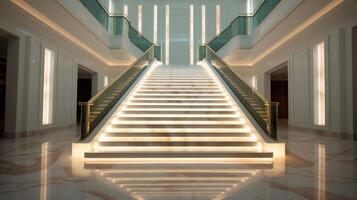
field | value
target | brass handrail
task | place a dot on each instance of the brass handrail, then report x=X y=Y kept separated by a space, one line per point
x=252 y=88
x=267 y=120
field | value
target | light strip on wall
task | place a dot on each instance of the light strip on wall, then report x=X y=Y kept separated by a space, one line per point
x=110 y=6
x=191 y=36
x=254 y=82
x=140 y=19
x=218 y=19
x=249 y=6
x=48 y=76
x=167 y=35
x=155 y=25
x=319 y=84
x=203 y=25
x=106 y=81
x=125 y=10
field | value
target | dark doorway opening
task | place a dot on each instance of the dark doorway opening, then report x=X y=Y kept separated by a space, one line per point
x=279 y=90
x=84 y=88
x=3 y=63
x=354 y=80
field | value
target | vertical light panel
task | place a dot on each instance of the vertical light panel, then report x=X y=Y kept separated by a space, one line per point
x=44 y=153
x=218 y=19
x=155 y=25
x=125 y=10
x=319 y=84
x=140 y=19
x=249 y=6
x=321 y=182
x=48 y=76
x=167 y=34
x=110 y=6
x=203 y=25
x=106 y=81
x=191 y=36
x=254 y=82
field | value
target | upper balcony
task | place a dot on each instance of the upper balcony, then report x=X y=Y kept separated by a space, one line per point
x=124 y=41
x=249 y=38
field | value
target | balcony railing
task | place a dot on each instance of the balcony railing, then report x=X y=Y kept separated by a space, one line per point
x=117 y=25
x=98 y=107
x=263 y=111
x=243 y=25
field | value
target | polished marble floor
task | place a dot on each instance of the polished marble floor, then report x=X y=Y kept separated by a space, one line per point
x=316 y=167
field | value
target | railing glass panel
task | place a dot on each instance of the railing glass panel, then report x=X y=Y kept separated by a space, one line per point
x=98 y=107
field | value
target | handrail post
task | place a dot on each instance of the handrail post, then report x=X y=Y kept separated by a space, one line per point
x=85 y=118
x=202 y=52
x=272 y=113
x=157 y=52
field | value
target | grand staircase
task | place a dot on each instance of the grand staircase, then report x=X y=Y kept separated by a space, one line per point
x=179 y=113
x=178 y=135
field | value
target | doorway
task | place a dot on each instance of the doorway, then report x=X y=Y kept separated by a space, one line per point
x=354 y=80
x=3 y=63
x=279 y=90
x=84 y=88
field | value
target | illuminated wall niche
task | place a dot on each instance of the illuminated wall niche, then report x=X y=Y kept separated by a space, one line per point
x=167 y=34
x=249 y=6
x=218 y=19
x=191 y=36
x=155 y=25
x=319 y=84
x=106 y=81
x=140 y=19
x=48 y=76
x=203 y=25
x=254 y=82
x=125 y=11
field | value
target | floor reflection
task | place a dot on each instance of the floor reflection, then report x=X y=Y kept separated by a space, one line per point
x=317 y=167
x=44 y=153
x=145 y=181
x=321 y=176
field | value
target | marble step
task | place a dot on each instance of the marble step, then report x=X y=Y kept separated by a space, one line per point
x=186 y=96
x=178 y=88
x=177 y=106
x=180 y=166
x=178 y=125
x=190 y=118
x=105 y=138
x=188 y=111
x=188 y=181
x=179 y=92
x=180 y=144
x=177 y=100
x=176 y=134
x=175 y=174
x=178 y=130
x=227 y=155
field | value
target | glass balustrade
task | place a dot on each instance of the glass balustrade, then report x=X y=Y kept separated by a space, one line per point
x=263 y=111
x=243 y=25
x=117 y=25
